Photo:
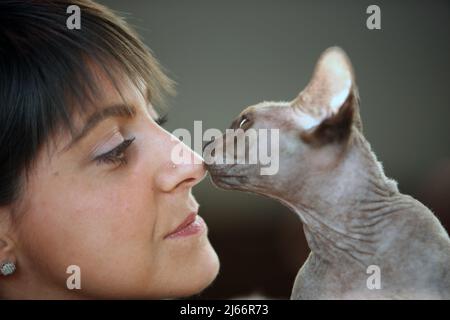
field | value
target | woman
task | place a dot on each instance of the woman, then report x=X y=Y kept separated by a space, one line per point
x=89 y=194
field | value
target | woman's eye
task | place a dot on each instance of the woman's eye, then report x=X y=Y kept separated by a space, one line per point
x=116 y=155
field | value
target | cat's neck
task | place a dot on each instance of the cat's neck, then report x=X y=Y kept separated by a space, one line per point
x=345 y=210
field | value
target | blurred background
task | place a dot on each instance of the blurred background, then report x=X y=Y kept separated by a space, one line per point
x=226 y=55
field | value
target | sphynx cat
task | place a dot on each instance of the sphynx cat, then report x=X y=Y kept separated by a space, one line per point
x=354 y=218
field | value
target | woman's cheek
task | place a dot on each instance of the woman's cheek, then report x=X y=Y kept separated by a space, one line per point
x=103 y=238
x=49 y=237
x=102 y=222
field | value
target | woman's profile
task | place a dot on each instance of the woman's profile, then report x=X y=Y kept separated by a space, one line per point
x=87 y=180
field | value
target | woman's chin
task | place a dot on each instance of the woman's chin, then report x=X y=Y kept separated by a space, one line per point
x=210 y=269
x=202 y=276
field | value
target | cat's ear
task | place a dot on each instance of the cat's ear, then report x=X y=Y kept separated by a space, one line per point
x=328 y=106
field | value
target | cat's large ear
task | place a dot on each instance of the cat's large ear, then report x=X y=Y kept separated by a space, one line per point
x=329 y=105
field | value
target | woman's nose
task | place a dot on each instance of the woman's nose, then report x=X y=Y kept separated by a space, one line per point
x=180 y=172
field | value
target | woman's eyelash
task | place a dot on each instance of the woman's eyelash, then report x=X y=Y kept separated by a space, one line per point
x=162 y=120
x=116 y=155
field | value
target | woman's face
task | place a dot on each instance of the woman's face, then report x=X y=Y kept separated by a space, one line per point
x=107 y=203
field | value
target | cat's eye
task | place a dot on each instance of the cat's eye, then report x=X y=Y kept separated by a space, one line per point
x=161 y=120
x=244 y=123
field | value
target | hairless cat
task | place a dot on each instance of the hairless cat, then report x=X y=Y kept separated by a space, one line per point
x=355 y=219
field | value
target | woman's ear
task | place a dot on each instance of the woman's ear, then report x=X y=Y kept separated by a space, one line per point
x=7 y=244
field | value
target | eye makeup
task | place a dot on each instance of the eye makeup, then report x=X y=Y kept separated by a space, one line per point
x=113 y=150
x=115 y=155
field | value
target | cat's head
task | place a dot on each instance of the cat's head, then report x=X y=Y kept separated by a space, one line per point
x=303 y=137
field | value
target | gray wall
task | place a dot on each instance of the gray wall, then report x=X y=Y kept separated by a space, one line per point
x=226 y=55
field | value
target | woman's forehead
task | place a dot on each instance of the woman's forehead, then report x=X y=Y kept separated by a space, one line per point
x=113 y=84
x=109 y=90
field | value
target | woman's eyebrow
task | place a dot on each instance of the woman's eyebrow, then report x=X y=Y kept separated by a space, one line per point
x=117 y=110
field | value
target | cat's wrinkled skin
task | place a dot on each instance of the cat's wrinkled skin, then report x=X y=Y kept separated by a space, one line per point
x=353 y=215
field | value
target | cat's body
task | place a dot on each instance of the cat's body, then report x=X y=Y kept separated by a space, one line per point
x=401 y=237
x=377 y=226
x=367 y=240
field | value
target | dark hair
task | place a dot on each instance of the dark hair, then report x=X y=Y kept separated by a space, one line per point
x=44 y=66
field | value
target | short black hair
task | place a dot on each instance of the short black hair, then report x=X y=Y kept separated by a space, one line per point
x=44 y=66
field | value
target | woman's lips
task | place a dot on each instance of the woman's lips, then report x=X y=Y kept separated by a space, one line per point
x=193 y=224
